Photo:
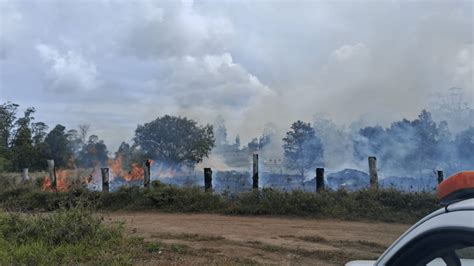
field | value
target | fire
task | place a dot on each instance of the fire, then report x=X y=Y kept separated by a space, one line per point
x=62 y=182
x=136 y=173
x=163 y=171
x=46 y=183
x=116 y=168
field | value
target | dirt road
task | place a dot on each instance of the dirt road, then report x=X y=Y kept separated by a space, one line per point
x=218 y=239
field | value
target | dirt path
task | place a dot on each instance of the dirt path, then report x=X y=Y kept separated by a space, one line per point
x=218 y=239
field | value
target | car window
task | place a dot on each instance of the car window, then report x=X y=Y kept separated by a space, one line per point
x=465 y=255
x=437 y=262
x=451 y=247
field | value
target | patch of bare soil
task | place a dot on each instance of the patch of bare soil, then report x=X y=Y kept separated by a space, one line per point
x=203 y=239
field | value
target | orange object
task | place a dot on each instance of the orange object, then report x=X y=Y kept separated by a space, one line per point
x=455 y=184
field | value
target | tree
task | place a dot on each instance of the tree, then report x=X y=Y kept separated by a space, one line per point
x=39 y=132
x=7 y=119
x=464 y=145
x=83 y=131
x=175 y=140
x=57 y=146
x=407 y=146
x=74 y=141
x=427 y=135
x=22 y=148
x=93 y=153
x=302 y=148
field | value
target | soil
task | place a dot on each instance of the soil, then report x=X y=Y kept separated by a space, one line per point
x=204 y=239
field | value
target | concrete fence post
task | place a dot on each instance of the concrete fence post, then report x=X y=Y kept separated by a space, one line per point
x=208 y=179
x=24 y=175
x=319 y=179
x=105 y=179
x=255 y=171
x=52 y=174
x=374 y=178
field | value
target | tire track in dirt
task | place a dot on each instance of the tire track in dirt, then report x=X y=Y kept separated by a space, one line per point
x=220 y=239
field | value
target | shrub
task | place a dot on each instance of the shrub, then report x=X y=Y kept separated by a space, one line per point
x=62 y=237
x=378 y=205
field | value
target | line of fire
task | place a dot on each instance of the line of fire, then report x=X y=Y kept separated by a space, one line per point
x=114 y=176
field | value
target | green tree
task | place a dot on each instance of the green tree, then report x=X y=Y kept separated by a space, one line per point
x=39 y=131
x=175 y=140
x=7 y=121
x=302 y=148
x=23 y=154
x=57 y=146
x=93 y=153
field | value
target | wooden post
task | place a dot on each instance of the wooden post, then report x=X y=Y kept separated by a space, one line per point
x=208 y=179
x=147 y=174
x=24 y=175
x=255 y=171
x=440 y=176
x=52 y=174
x=105 y=179
x=319 y=179
x=374 y=179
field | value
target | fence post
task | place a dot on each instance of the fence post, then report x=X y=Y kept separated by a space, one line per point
x=52 y=174
x=24 y=175
x=208 y=179
x=255 y=171
x=374 y=178
x=147 y=174
x=105 y=179
x=440 y=176
x=319 y=179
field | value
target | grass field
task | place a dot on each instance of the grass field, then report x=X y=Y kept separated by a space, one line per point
x=174 y=226
x=78 y=236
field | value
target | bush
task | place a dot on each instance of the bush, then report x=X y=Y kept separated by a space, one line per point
x=62 y=237
x=378 y=205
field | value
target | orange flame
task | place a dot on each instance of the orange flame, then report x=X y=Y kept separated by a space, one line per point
x=62 y=182
x=46 y=183
x=116 y=168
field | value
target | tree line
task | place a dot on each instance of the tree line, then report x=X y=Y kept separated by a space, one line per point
x=27 y=144
x=407 y=146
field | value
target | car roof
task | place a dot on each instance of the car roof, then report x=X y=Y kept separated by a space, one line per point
x=467 y=204
x=464 y=206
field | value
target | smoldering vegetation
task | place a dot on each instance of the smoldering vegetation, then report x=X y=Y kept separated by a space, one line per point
x=409 y=152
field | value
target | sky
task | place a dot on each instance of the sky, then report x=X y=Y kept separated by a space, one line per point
x=116 y=64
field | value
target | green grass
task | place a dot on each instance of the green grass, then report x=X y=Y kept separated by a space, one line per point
x=63 y=237
x=370 y=205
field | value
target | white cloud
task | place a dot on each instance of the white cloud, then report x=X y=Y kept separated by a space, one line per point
x=68 y=71
x=206 y=58
x=212 y=81
x=348 y=51
x=177 y=30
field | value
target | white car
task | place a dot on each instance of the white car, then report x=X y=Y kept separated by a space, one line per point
x=444 y=237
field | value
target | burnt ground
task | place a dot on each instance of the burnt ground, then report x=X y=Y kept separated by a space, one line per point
x=203 y=239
